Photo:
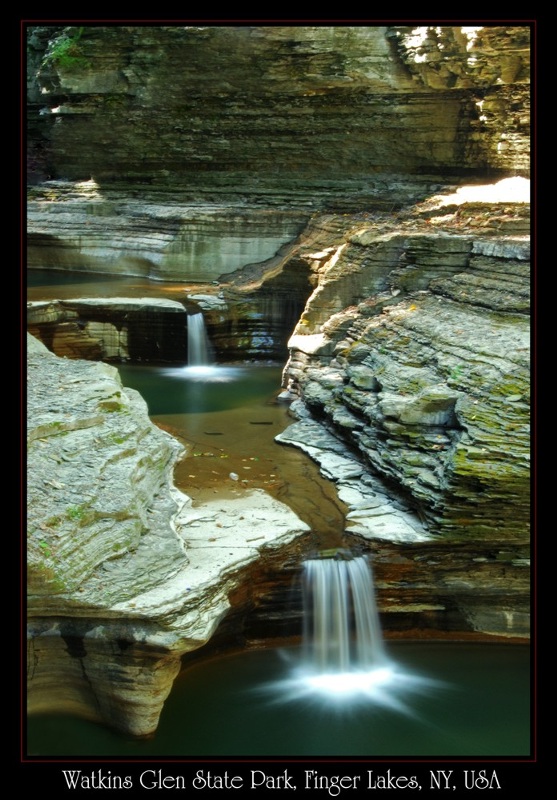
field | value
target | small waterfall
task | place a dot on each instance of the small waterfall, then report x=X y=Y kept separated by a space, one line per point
x=344 y=661
x=199 y=348
x=342 y=633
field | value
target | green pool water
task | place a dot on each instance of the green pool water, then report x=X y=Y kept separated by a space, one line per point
x=457 y=700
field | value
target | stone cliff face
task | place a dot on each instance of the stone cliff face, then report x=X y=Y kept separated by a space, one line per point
x=417 y=341
x=413 y=352
x=279 y=109
x=188 y=152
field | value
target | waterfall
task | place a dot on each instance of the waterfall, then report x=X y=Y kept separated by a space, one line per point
x=342 y=633
x=199 y=348
x=343 y=660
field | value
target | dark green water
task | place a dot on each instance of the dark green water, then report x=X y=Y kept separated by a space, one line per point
x=183 y=390
x=474 y=701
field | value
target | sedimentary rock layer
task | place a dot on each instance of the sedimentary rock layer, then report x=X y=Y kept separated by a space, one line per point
x=124 y=573
x=80 y=227
x=413 y=355
x=111 y=329
x=277 y=110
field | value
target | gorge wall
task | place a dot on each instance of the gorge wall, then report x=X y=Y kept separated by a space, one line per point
x=264 y=110
x=366 y=187
x=413 y=355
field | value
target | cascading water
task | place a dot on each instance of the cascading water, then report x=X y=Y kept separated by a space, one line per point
x=342 y=633
x=201 y=370
x=343 y=657
x=199 y=348
x=343 y=648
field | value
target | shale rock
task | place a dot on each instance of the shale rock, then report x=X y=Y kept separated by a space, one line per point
x=124 y=575
x=77 y=226
x=278 y=111
x=111 y=329
x=411 y=362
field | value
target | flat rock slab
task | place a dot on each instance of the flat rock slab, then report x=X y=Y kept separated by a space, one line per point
x=230 y=532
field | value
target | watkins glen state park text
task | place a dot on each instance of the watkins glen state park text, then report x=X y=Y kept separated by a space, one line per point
x=308 y=779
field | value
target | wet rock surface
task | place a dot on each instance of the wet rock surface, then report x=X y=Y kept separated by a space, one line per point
x=81 y=226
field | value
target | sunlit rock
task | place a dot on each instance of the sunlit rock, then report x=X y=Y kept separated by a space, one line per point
x=124 y=576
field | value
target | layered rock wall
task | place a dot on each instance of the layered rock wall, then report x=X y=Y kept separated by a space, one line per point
x=241 y=327
x=413 y=354
x=79 y=227
x=124 y=574
x=199 y=153
x=111 y=329
x=277 y=111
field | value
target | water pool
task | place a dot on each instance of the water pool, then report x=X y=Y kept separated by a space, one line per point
x=460 y=700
